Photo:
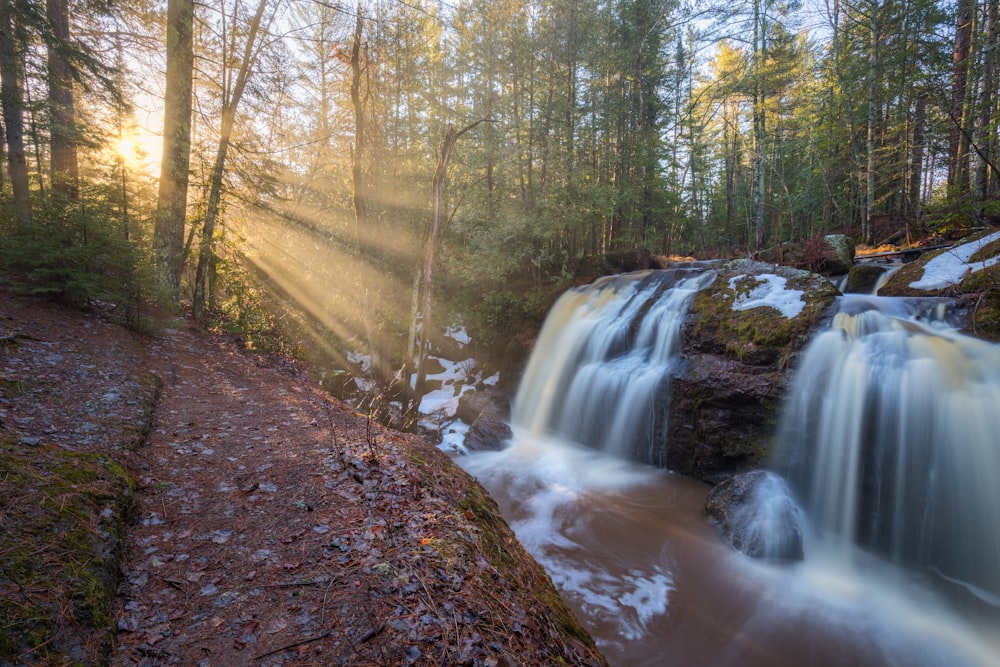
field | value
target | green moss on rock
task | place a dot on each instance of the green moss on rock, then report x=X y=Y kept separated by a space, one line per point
x=761 y=335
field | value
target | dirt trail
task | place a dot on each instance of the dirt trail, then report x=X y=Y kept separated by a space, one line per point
x=275 y=527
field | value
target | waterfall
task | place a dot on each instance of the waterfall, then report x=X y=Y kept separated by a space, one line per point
x=601 y=366
x=891 y=439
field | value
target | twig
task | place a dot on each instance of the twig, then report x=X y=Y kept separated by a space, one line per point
x=304 y=582
x=374 y=632
x=317 y=638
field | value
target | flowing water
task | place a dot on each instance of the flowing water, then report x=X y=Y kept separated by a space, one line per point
x=630 y=549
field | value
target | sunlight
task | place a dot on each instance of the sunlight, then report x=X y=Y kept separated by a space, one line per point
x=139 y=150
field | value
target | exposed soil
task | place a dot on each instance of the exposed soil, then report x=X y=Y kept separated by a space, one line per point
x=272 y=525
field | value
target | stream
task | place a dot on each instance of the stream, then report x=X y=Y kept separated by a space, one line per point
x=631 y=552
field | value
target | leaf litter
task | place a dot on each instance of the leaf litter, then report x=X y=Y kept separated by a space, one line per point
x=276 y=526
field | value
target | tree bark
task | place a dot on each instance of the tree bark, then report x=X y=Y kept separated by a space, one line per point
x=64 y=166
x=986 y=182
x=171 y=205
x=759 y=47
x=916 y=160
x=12 y=94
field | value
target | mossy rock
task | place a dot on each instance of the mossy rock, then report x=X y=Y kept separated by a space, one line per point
x=63 y=517
x=978 y=291
x=862 y=278
x=758 y=336
x=726 y=392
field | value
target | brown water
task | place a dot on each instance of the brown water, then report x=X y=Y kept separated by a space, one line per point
x=632 y=553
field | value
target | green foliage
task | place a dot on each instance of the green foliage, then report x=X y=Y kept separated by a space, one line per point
x=80 y=254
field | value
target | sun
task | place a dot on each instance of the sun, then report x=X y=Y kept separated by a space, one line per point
x=138 y=150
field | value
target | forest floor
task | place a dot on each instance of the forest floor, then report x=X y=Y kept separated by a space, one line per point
x=261 y=522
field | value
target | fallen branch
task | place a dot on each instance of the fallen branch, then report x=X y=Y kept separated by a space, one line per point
x=295 y=645
x=365 y=637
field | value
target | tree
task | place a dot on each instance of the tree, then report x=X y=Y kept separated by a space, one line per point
x=230 y=103
x=12 y=92
x=63 y=133
x=171 y=207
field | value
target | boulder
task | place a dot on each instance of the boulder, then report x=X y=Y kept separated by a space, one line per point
x=488 y=433
x=472 y=404
x=842 y=258
x=737 y=355
x=757 y=516
x=862 y=278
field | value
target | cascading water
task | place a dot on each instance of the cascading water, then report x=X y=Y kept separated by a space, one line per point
x=630 y=550
x=603 y=361
x=892 y=439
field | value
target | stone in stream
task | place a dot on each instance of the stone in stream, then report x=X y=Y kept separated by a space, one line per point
x=757 y=516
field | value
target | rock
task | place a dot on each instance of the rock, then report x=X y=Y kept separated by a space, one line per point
x=724 y=393
x=842 y=259
x=862 y=278
x=757 y=516
x=474 y=403
x=488 y=432
x=448 y=348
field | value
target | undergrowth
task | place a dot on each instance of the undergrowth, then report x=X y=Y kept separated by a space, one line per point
x=62 y=516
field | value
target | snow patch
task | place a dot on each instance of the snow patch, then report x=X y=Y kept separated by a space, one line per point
x=770 y=290
x=951 y=266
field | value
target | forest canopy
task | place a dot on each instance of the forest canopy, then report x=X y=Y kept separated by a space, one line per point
x=317 y=169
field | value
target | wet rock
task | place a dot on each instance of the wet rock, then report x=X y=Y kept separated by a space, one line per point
x=757 y=516
x=488 y=412
x=721 y=408
x=863 y=278
x=488 y=433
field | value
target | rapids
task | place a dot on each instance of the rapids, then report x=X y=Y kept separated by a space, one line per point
x=628 y=545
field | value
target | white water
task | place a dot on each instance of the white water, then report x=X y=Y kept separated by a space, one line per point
x=892 y=440
x=630 y=550
x=608 y=351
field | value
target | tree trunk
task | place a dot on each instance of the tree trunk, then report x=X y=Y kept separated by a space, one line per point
x=866 y=228
x=64 y=167
x=205 y=253
x=759 y=46
x=171 y=205
x=916 y=160
x=437 y=188
x=985 y=178
x=958 y=150
x=12 y=93
x=360 y=191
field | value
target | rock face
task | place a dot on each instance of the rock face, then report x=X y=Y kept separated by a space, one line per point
x=757 y=516
x=738 y=351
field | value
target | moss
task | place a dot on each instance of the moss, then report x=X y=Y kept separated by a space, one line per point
x=14 y=388
x=757 y=336
x=63 y=516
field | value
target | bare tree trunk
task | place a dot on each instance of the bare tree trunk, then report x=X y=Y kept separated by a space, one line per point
x=12 y=93
x=759 y=46
x=171 y=205
x=916 y=160
x=437 y=188
x=64 y=166
x=205 y=253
